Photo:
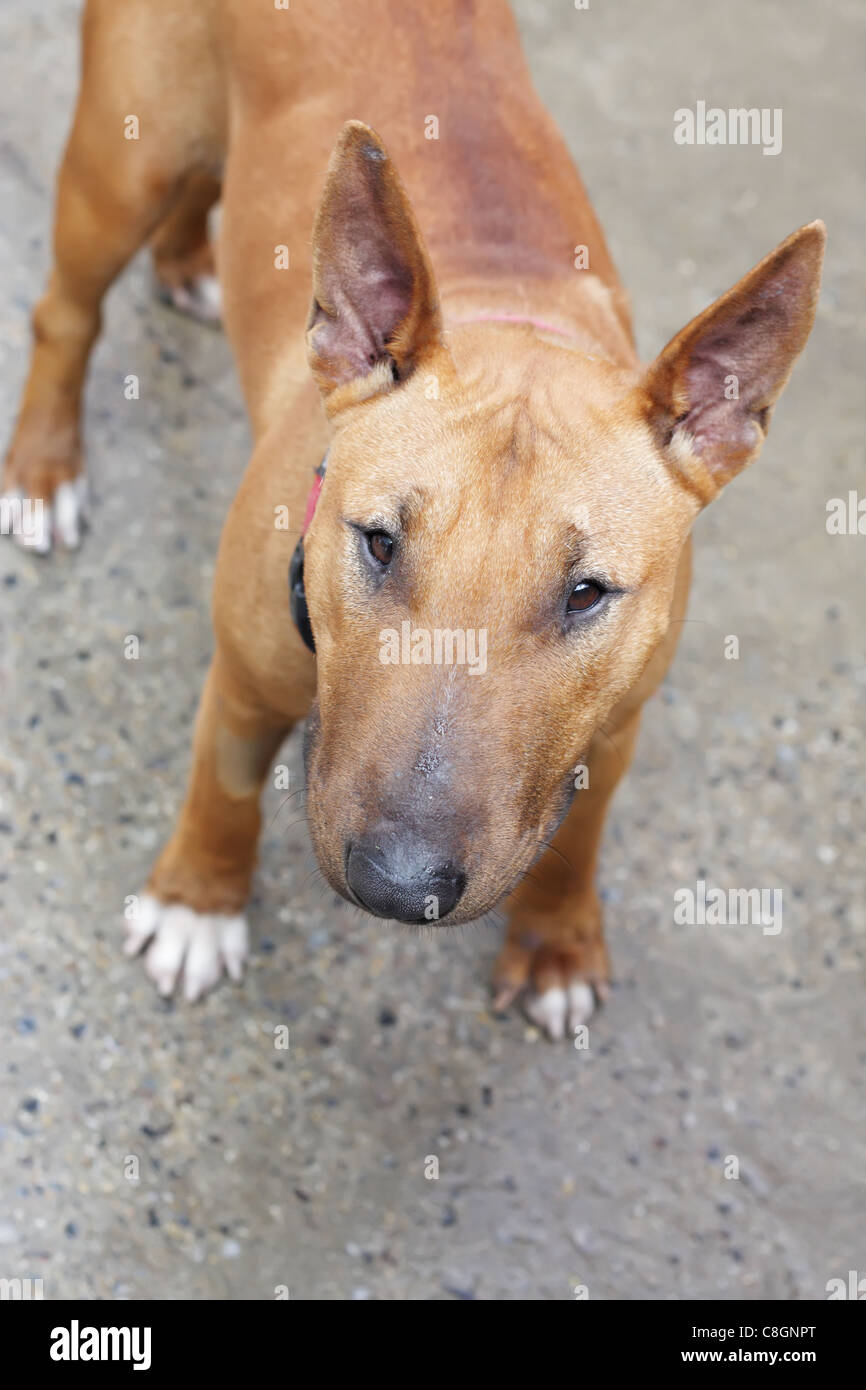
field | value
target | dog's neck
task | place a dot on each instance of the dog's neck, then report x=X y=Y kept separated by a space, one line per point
x=527 y=321
x=584 y=314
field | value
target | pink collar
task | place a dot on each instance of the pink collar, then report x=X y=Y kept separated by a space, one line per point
x=313 y=494
x=529 y=322
x=312 y=501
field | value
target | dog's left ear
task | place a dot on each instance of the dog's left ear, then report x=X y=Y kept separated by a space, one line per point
x=375 y=310
x=711 y=391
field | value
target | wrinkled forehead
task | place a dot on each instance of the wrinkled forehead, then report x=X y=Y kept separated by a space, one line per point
x=552 y=444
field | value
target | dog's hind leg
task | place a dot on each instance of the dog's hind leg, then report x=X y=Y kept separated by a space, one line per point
x=137 y=131
x=190 y=917
x=183 y=258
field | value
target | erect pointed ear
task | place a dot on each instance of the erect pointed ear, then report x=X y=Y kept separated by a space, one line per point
x=712 y=390
x=375 y=311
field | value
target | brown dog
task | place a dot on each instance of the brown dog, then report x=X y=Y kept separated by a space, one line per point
x=504 y=478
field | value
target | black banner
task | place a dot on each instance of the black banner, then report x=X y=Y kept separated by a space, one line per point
x=84 y=1339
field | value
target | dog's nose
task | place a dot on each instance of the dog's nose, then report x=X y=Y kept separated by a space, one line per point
x=403 y=879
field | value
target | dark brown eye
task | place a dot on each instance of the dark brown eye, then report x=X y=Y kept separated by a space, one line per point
x=584 y=596
x=381 y=547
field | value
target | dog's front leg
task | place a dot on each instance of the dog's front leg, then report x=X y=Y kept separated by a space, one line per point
x=555 y=948
x=191 y=916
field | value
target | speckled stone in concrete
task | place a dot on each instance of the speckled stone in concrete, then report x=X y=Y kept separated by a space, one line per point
x=157 y=1151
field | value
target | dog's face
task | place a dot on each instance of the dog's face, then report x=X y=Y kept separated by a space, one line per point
x=493 y=559
x=487 y=573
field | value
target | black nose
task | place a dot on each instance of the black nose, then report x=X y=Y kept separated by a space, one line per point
x=403 y=879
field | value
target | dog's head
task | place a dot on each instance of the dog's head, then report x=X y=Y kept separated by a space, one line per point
x=493 y=559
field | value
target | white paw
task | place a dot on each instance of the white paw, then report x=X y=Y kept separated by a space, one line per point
x=200 y=297
x=559 y=1009
x=70 y=510
x=197 y=946
x=35 y=524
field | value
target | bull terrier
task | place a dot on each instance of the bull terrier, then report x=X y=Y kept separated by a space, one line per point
x=501 y=468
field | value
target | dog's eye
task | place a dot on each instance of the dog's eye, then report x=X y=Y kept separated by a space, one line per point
x=584 y=596
x=381 y=547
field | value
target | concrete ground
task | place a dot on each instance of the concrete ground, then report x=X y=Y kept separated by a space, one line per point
x=257 y=1167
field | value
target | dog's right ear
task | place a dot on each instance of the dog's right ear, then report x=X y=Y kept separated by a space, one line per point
x=375 y=311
